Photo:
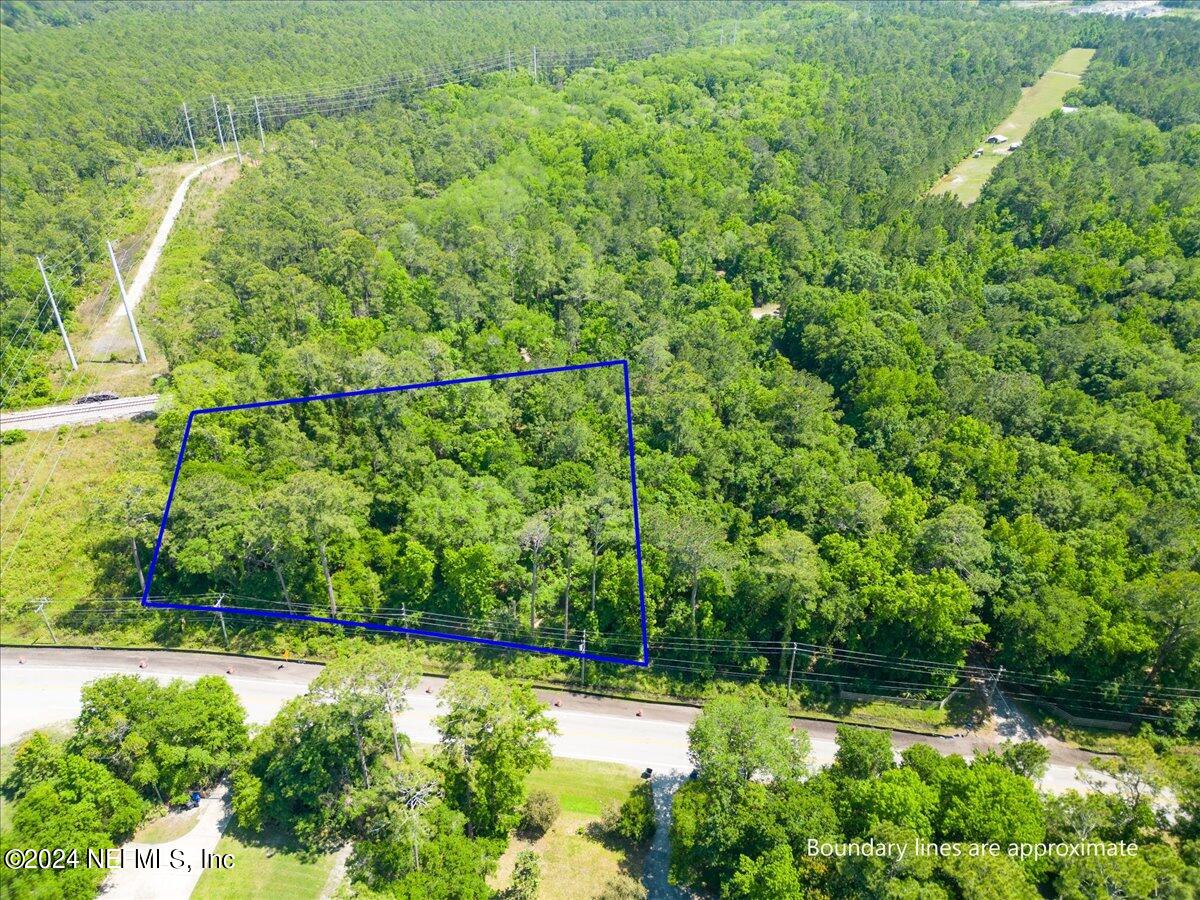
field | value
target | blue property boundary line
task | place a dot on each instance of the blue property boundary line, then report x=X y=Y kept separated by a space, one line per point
x=392 y=389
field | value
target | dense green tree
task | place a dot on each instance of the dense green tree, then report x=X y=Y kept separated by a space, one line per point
x=739 y=737
x=166 y=740
x=493 y=736
x=300 y=770
x=862 y=753
x=62 y=802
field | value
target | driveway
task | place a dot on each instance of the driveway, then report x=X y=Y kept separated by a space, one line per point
x=169 y=871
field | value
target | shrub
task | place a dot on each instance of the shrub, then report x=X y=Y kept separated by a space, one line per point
x=540 y=812
x=633 y=819
x=622 y=887
x=526 y=877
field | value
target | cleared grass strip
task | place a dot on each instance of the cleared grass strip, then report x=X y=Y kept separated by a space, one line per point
x=966 y=180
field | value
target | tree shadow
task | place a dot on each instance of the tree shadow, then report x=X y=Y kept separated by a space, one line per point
x=657 y=863
x=966 y=710
x=276 y=842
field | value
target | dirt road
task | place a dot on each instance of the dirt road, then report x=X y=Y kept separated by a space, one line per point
x=114 y=334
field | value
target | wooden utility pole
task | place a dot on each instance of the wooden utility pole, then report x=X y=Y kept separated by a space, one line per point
x=57 y=317
x=187 y=120
x=583 y=660
x=137 y=338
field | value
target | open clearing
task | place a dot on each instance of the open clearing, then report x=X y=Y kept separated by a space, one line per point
x=50 y=482
x=966 y=180
x=266 y=867
x=576 y=860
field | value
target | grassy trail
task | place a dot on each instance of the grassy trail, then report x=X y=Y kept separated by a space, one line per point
x=966 y=180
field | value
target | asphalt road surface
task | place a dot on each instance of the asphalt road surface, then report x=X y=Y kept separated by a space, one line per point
x=162 y=880
x=45 y=689
x=41 y=686
x=45 y=418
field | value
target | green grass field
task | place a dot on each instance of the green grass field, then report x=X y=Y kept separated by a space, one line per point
x=966 y=180
x=575 y=863
x=263 y=870
x=168 y=828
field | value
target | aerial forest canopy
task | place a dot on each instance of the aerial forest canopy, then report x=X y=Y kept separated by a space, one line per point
x=77 y=144
x=515 y=493
x=969 y=435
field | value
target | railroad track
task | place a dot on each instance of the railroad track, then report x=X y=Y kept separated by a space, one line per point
x=47 y=417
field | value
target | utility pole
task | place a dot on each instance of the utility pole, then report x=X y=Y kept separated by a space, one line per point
x=533 y=65
x=791 y=668
x=583 y=660
x=217 y=119
x=258 y=115
x=57 y=317
x=233 y=131
x=187 y=120
x=995 y=685
x=221 y=619
x=41 y=608
x=137 y=338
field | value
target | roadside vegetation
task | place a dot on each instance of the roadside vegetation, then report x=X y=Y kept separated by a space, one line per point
x=136 y=746
x=330 y=768
x=746 y=827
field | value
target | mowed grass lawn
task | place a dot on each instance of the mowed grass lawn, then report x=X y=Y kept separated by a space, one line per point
x=966 y=180
x=263 y=870
x=574 y=864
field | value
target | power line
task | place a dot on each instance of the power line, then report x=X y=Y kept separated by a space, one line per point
x=558 y=639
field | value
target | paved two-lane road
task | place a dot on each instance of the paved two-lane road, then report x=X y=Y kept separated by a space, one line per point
x=45 y=689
